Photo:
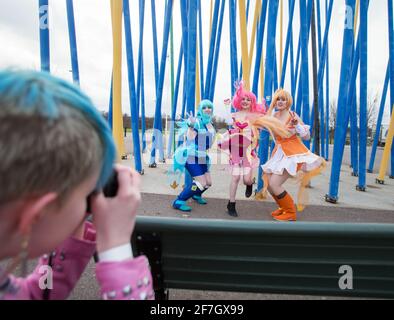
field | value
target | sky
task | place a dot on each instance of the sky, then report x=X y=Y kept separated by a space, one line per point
x=19 y=36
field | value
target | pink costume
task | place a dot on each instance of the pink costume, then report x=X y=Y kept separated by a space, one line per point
x=241 y=144
x=126 y=280
x=242 y=140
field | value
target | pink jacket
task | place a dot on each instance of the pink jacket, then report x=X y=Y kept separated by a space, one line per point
x=126 y=280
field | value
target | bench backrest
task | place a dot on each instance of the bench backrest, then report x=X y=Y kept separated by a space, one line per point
x=265 y=257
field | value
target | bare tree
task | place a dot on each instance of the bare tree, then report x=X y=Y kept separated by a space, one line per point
x=372 y=110
x=333 y=115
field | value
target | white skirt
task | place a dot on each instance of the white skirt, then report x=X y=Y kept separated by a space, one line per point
x=279 y=162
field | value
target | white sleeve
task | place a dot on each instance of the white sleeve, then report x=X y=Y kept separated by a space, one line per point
x=119 y=253
x=302 y=130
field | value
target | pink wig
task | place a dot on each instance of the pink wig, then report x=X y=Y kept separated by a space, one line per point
x=241 y=93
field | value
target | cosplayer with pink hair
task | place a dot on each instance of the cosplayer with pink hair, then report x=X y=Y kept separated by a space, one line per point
x=241 y=141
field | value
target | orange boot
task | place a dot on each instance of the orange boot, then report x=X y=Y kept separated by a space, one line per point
x=286 y=202
x=279 y=211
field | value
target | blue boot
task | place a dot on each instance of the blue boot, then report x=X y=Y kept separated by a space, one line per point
x=200 y=200
x=181 y=205
x=198 y=196
x=190 y=191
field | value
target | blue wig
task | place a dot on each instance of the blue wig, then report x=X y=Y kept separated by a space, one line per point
x=201 y=115
x=41 y=93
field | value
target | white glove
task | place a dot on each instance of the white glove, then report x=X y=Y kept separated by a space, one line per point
x=302 y=130
x=191 y=121
x=228 y=119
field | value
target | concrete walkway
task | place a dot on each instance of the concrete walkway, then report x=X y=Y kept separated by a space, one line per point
x=376 y=196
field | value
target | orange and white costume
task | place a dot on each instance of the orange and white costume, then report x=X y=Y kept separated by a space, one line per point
x=292 y=155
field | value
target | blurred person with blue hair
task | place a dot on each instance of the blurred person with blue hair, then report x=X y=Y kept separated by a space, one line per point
x=56 y=150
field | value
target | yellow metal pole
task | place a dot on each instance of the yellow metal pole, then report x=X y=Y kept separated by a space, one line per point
x=281 y=38
x=244 y=44
x=356 y=16
x=257 y=12
x=387 y=151
x=117 y=117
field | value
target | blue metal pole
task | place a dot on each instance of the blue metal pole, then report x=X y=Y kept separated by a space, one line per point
x=276 y=82
x=110 y=106
x=211 y=50
x=322 y=64
x=191 y=57
x=175 y=100
x=352 y=102
x=327 y=130
x=157 y=135
x=201 y=47
x=305 y=65
x=73 y=41
x=44 y=35
x=183 y=9
x=140 y=77
x=363 y=95
x=341 y=128
x=259 y=47
x=379 y=121
x=354 y=128
x=155 y=50
x=292 y=70
x=288 y=39
x=217 y=51
x=319 y=28
x=233 y=46
x=321 y=92
x=269 y=78
x=140 y=49
x=327 y=61
x=132 y=91
x=297 y=67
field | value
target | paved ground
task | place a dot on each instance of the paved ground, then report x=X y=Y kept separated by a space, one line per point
x=375 y=197
x=160 y=205
x=375 y=205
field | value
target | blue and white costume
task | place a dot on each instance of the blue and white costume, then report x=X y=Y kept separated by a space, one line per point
x=193 y=156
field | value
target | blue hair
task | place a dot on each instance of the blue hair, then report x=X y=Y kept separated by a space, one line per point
x=200 y=113
x=39 y=92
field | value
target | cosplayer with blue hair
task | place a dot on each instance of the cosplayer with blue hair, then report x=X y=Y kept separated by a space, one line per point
x=46 y=96
x=57 y=154
x=193 y=156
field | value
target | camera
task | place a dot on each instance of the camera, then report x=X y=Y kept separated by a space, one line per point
x=110 y=189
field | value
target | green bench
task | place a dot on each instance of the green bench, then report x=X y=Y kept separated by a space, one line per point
x=268 y=257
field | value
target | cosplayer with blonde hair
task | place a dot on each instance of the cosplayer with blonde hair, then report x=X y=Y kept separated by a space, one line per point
x=290 y=158
x=241 y=141
x=193 y=157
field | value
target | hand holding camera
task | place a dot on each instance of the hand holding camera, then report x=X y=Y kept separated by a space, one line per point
x=114 y=211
